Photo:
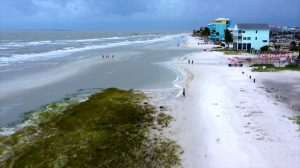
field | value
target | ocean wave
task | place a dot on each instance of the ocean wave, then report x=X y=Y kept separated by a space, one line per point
x=112 y=38
x=69 y=50
x=3 y=63
x=25 y=44
x=79 y=40
x=4 y=48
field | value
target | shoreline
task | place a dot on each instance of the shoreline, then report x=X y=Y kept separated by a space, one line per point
x=227 y=120
x=137 y=69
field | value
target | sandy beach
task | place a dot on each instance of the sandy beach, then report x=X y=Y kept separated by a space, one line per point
x=227 y=120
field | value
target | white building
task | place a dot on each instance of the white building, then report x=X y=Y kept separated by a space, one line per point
x=247 y=36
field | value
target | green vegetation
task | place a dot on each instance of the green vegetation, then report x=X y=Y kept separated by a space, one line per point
x=205 y=33
x=265 y=48
x=272 y=68
x=296 y=120
x=228 y=37
x=111 y=129
x=293 y=43
x=296 y=48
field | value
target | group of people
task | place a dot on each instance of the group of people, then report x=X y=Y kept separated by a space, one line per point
x=107 y=56
x=189 y=61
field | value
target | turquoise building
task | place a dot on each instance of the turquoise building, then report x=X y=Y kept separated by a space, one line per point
x=247 y=36
x=219 y=25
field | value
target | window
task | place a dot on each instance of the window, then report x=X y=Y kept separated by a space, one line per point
x=239 y=46
x=248 y=45
x=243 y=31
x=255 y=38
x=256 y=31
x=235 y=46
x=265 y=41
x=248 y=38
x=244 y=38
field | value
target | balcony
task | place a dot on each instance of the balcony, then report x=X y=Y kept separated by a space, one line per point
x=237 y=38
x=240 y=32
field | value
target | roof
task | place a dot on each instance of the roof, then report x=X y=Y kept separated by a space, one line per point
x=252 y=26
x=222 y=19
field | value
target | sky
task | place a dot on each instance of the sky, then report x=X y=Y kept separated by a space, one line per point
x=142 y=14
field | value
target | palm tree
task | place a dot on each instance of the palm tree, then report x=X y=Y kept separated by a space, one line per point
x=205 y=33
x=228 y=37
x=217 y=34
x=213 y=32
x=293 y=44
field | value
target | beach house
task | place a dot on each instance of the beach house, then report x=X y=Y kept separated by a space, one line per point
x=219 y=25
x=247 y=36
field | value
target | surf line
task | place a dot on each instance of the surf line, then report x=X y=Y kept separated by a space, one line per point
x=179 y=78
x=180 y=72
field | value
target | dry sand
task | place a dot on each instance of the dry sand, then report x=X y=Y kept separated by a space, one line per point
x=227 y=120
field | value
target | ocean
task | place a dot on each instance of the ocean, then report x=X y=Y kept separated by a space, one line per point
x=41 y=67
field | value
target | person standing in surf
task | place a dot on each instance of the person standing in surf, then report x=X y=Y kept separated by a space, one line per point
x=183 y=92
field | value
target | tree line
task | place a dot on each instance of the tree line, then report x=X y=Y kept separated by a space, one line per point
x=205 y=33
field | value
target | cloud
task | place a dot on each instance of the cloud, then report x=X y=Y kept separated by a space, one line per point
x=146 y=13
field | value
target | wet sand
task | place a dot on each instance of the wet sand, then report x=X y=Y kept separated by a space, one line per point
x=131 y=68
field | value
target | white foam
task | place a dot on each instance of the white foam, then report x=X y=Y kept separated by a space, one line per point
x=79 y=40
x=112 y=38
x=4 y=48
x=69 y=50
x=12 y=70
x=25 y=44
x=3 y=63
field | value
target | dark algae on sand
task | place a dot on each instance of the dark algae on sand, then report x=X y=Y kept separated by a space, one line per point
x=110 y=129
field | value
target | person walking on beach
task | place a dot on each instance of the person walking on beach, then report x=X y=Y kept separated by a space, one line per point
x=189 y=61
x=183 y=92
x=192 y=61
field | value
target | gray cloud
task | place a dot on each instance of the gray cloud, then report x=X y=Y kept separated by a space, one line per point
x=163 y=14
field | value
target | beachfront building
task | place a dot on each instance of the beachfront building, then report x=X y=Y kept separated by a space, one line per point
x=219 y=25
x=247 y=36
